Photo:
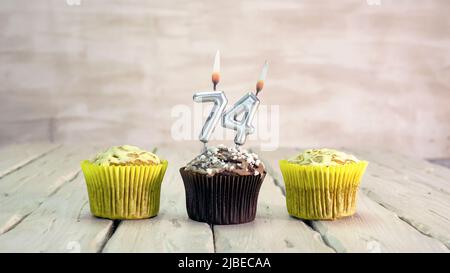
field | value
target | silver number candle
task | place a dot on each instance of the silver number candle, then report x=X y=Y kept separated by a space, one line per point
x=216 y=97
x=220 y=102
x=246 y=106
x=231 y=119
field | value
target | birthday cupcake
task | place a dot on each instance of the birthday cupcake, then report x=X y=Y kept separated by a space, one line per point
x=124 y=182
x=322 y=184
x=222 y=185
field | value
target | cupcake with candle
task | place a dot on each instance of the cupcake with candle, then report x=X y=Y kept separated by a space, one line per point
x=322 y=184
x=124 y=182
x=222 y=185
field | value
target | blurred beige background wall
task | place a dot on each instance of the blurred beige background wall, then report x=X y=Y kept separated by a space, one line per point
x=345 y=73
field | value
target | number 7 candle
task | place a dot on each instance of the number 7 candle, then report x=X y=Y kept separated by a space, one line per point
x=217 y=97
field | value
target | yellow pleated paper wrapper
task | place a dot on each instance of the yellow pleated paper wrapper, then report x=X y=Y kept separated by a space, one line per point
x=124 y=192
x=321 y=192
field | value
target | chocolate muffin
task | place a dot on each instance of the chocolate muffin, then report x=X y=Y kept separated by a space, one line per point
x=222 y=185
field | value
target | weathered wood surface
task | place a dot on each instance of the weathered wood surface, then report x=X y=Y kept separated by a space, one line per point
x=272 y=230
x=407 y=169
x=44 y=208
x=375 y=228
x=23 y=191
x=63 y=223
x=421 y=206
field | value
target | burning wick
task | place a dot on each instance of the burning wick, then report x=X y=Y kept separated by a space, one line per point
x=262 y=77
x=216 y=70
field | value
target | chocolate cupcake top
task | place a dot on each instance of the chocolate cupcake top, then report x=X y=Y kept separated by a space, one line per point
x=126 y=155
x=225 y=160
x=323 y=157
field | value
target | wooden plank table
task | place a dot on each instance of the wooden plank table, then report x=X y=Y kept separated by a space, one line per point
x=403 y=206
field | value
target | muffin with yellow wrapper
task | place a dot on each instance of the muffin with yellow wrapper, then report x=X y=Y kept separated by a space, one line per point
x=124 y=182
x=322 y=184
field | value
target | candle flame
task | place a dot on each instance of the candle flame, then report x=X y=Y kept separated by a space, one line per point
x=259 y=86
x=262 y=77
x=216 y=69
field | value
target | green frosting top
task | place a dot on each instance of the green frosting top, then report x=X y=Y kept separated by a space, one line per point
x=323 y=157
x=126 y=155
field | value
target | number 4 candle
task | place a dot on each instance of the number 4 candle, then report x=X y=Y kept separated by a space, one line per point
x=247 y=107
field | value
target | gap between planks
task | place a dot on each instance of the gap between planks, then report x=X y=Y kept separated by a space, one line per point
x=418 y=192
x=271 y=231
x=15 y=157
x=171 y=230
x=24 y=191
x=110 y=231
x=58 y=218
x=334 y=233
x=62 y=223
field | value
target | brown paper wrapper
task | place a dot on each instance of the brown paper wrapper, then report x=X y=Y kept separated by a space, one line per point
x=221 y=199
